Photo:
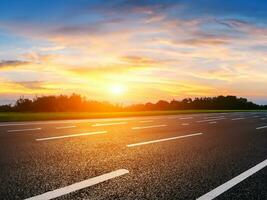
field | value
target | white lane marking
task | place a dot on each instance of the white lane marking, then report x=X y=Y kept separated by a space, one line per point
x=214 y=117
x=187 y=118
x=262 y=127
x=173 y=117
x=144 y=127
x=231 y=183
x=163 y=140
x=263 y=118
x=26 y=129
x=80 y=185
x=3 y=124
x=146 y=121
x=65 y=127
x=72 y=135
x=239 y=118
x=185 y=124
x=210 y=120
x=110 y=124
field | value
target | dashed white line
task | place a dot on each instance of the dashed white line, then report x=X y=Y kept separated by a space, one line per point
x=65 y=127
x=185 y=124
x=163 y=140
x=72 y=135
x=78 y=186
x=146 y=121
x=145 y=127
x=183 y=118
x=110 y=124
x=26 y=129
x=239 y=118
x=231 y=183
x=210 y=120
x=214 y=117
x=262 y=127
x=173 y=117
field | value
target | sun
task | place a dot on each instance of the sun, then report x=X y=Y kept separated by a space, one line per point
x=117 y=89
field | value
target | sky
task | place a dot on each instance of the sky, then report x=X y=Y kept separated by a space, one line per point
x=132 y=51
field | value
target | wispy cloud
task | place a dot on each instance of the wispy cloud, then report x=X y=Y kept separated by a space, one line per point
x=12 y=63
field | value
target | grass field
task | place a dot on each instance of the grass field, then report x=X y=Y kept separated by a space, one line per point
x=18 y=116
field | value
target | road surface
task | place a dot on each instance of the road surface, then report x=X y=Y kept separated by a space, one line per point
x=196 y=156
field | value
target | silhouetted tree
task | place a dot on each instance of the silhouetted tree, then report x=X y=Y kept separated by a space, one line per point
x=78 y=103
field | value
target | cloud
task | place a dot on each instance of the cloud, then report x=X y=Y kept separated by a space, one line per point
x=34 y=85
x=124 y=64
x=12 y=63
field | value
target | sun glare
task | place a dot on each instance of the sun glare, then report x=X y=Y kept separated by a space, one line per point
x=117 y=89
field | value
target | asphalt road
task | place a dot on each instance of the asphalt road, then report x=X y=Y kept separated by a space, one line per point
x=200 y=156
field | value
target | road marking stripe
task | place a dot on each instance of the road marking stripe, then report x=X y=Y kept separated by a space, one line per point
x=173 y=117
x=27 y=129
x=231 y=183
x=186 y=118
x=146 y=121
x=209 y=120
x=262 y=127
x=65 y=127
x=3 y=124
x=163 y=140
x=239 y=118
x=72 y=135
x=144 y=127
x=212 y=122
x=185 y=124
x=109 y=124
x=214 y=117
x=80 y=185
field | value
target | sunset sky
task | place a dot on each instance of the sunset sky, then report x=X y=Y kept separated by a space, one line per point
x=133 y=51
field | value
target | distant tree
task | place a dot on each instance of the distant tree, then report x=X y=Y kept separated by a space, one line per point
x=78 y=103
x=6 y=108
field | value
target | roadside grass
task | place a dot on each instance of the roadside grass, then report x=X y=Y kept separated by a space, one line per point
x=42 y=116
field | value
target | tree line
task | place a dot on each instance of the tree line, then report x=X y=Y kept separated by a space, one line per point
x=78 y=103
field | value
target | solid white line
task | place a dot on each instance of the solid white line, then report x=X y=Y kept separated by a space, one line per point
x=144 y=127
x=78 y=186
x=72 y=135
x=182 y=118
x=65 y=127
x=231 y=183
x=239 y=118
x=27 y=129
x=262 y=127
x=163 y=140
x=110 y=124
x=146 y=121
x=209 y=120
